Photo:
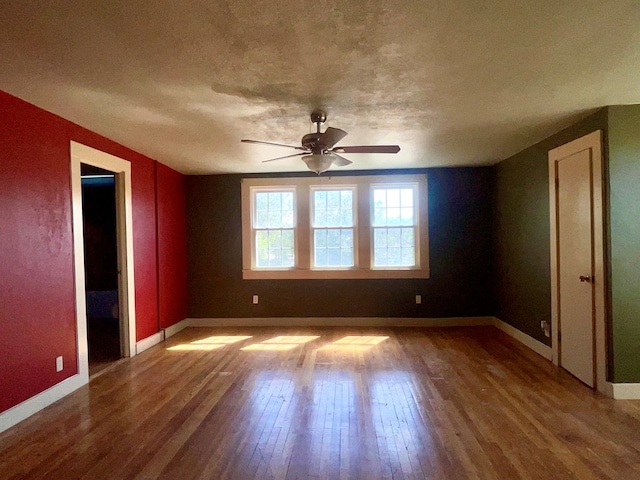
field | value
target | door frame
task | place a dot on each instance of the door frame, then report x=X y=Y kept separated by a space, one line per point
x=592 y=142
x=124 y=231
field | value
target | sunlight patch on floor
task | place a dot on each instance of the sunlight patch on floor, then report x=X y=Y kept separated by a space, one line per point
x=355 y=343
x=210 y=343
x=192 y=347
x=281 y=343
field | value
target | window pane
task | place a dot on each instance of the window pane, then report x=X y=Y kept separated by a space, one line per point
x=275 y=200
x=288 y=259
x=380 y=257
x=275 y=239
x=406 y=216
x=287 y=219
x=262 y=201
x=394 y=256
x=321 y=257
x=320 y=199
x=407 y=237
x=333 y=257
x=406 y=197
x=380 y=237
x=287 y=201
x=394 y=247
x=347 y=257
x=394 y=237
x=346 y=198
x=380 y=216
x=320 y=238
x=333 y=238
x=333 y=247
x=346 y=218
x=393 y=216
x=408 y=257
x=262 y=219
x=275 y=258
x=379 y=198
x=346 y=238
x=262 y=259
x=262 y=240
x=287 y=239
x=393 y=197
x=333 y=217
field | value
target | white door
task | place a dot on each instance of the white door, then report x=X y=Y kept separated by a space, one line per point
x=575 y=265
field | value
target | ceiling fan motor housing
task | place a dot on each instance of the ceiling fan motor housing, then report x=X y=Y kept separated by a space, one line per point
x=314 y=142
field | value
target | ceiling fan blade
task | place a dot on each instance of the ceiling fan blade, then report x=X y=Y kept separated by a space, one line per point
x=331 y=136
x=286 y=156
x=368 y=149
x=273 y=144
x=340 y=161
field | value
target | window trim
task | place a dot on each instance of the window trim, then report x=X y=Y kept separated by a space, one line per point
x=353 y=187
x=363 y=231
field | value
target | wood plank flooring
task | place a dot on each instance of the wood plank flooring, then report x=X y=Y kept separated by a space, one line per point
x=325 y=403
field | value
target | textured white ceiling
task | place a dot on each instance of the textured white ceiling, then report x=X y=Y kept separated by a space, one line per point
x=453 y=83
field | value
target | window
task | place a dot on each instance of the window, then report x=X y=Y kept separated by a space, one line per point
x=335 y=227
x=273 y=227
x=394 y=226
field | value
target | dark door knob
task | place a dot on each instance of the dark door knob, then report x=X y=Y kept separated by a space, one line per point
x=586 y=278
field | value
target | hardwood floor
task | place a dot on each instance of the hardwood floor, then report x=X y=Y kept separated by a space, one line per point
x=457 y=403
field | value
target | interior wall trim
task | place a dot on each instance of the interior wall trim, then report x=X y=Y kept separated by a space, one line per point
x=171 y=330
x=150 y=341
x=25 y=409
x=528 y=341
x=623 y=391
x=340 y=322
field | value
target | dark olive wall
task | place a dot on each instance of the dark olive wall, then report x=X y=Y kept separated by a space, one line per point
x=460 y=240
x=624 y=214
x=521 y=231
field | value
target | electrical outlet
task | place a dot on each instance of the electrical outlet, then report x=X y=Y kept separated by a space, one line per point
x=418 y=299
x=255 y=299
x=59 y=364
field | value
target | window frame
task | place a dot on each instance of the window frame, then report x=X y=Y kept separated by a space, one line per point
x=415 y=186
x=363 y=229
x=254 y=230
x=312 y=210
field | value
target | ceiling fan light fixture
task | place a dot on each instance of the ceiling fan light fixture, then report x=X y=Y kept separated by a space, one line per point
x=318 y=163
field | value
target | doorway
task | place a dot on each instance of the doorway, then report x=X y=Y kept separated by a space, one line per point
x=101 y=266
x=115 y=305
x=577 y=259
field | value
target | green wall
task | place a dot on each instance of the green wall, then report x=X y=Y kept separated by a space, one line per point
x=460 y=254
x=521 y=231
x=624 y=217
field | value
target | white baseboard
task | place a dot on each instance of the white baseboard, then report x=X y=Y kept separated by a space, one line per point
x=16 y=414
x=340 y=322
x=623 y=391
x=535 y=345
x=175 y=328
x=147 y=343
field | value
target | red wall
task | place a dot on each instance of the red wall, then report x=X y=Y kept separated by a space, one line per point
x=37 y=300
x=172 y=245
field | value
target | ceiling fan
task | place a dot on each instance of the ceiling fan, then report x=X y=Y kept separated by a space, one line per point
x=319 y=151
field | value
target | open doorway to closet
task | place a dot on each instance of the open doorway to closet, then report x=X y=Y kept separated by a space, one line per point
x=101 y=266
x=109 y=309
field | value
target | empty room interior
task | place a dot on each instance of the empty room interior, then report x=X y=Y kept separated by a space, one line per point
x=290 y=240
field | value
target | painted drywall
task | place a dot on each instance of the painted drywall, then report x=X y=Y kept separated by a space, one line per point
x=624 y=215
x=172 y=246
x=460 y=259
x=37 y=299
x=521 y=231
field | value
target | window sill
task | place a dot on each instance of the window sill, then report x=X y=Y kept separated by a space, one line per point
x=300 y=274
